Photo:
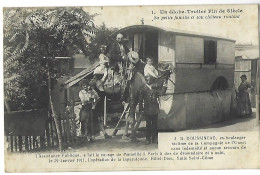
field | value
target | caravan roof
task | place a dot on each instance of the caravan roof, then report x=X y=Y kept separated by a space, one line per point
x=182 y=32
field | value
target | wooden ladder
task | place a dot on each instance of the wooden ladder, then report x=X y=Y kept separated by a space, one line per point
x=124 y=118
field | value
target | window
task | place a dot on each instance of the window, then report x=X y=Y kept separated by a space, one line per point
x=210 y=51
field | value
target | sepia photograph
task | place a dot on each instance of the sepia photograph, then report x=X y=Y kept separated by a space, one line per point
x=131 y=88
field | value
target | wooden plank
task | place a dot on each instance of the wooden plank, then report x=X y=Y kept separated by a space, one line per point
x=48 y=135
x=34 y=142
x=26 y=143
x=60 y=127
x=52 y=134
x=30 y=142
x=64 y=129
x=12 y=143
x=20 y=143
x=105 y=111
x=15 y=142
x=42 y=142
x=55 y=135
x=72 y=112
x=67 y=128
x=119 y=121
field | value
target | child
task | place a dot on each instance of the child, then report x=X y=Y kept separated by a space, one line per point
x=102 y=56
x=103 y=59
x=88 y=98
x=149 y=69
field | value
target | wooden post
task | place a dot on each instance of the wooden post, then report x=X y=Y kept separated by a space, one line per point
x=48 y=134
x=26 y=143
x=52 y=134
x=35 y=145
x=257 y=92
x=105 y=111
x=60 y=128
x=15 y=143
x=30 y=142
x=67 y=127
x=20 y=143
x=12 y=143
x=42 y=142
x=74 y=127
x=55 y=116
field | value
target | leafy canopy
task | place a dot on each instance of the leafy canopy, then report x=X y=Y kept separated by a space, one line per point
x=32 y=38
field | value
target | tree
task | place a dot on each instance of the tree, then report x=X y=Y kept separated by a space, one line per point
x=102 y=37
x=32 y=39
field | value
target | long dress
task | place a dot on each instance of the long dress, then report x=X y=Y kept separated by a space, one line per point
x=244 y=104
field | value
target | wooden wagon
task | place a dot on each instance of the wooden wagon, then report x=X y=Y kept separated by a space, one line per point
x=203 y=73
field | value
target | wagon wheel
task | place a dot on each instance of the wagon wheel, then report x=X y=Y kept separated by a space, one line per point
x=166 y=97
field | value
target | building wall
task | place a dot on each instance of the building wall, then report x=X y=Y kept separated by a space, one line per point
x=193 y=80
x=189 y=49
x=242 y=67
x=225 y=52
x=192 y=75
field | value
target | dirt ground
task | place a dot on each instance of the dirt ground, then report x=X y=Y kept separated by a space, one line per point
x=116 y=142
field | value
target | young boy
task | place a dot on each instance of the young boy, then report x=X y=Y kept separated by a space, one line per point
x=88 y=97
x=149 y=69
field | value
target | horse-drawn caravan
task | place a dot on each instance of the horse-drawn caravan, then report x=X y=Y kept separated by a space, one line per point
x=200 y=87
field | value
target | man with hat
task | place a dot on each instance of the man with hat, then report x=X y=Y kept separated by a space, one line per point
x=128 y=95
x=118 y=52
x=150 y=95
x=244 y=104
x=88 y=97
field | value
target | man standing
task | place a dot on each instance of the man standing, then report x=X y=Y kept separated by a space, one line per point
x=118 y=52
x=132 y=91
x=150 y=96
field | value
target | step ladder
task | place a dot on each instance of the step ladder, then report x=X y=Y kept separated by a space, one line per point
x=124 y=119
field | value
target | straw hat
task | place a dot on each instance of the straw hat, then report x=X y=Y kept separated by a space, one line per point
x=133 y=56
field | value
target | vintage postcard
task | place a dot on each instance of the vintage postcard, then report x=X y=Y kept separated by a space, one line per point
x=131 y=88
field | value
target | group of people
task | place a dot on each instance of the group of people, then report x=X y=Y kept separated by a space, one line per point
x=119 y=56
x=92 y=93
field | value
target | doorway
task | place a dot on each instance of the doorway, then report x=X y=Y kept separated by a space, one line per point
x=146 y=45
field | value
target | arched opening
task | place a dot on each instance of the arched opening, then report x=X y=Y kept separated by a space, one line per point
x=220 y=84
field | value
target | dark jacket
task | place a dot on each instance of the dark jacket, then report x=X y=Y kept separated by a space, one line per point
x=150 y=96
x=114 y=53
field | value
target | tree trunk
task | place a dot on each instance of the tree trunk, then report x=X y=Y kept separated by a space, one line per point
x=54 y=115
x=7 y=106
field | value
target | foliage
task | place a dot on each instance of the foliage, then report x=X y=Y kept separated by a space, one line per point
x=102 y=37
x=32 y=38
